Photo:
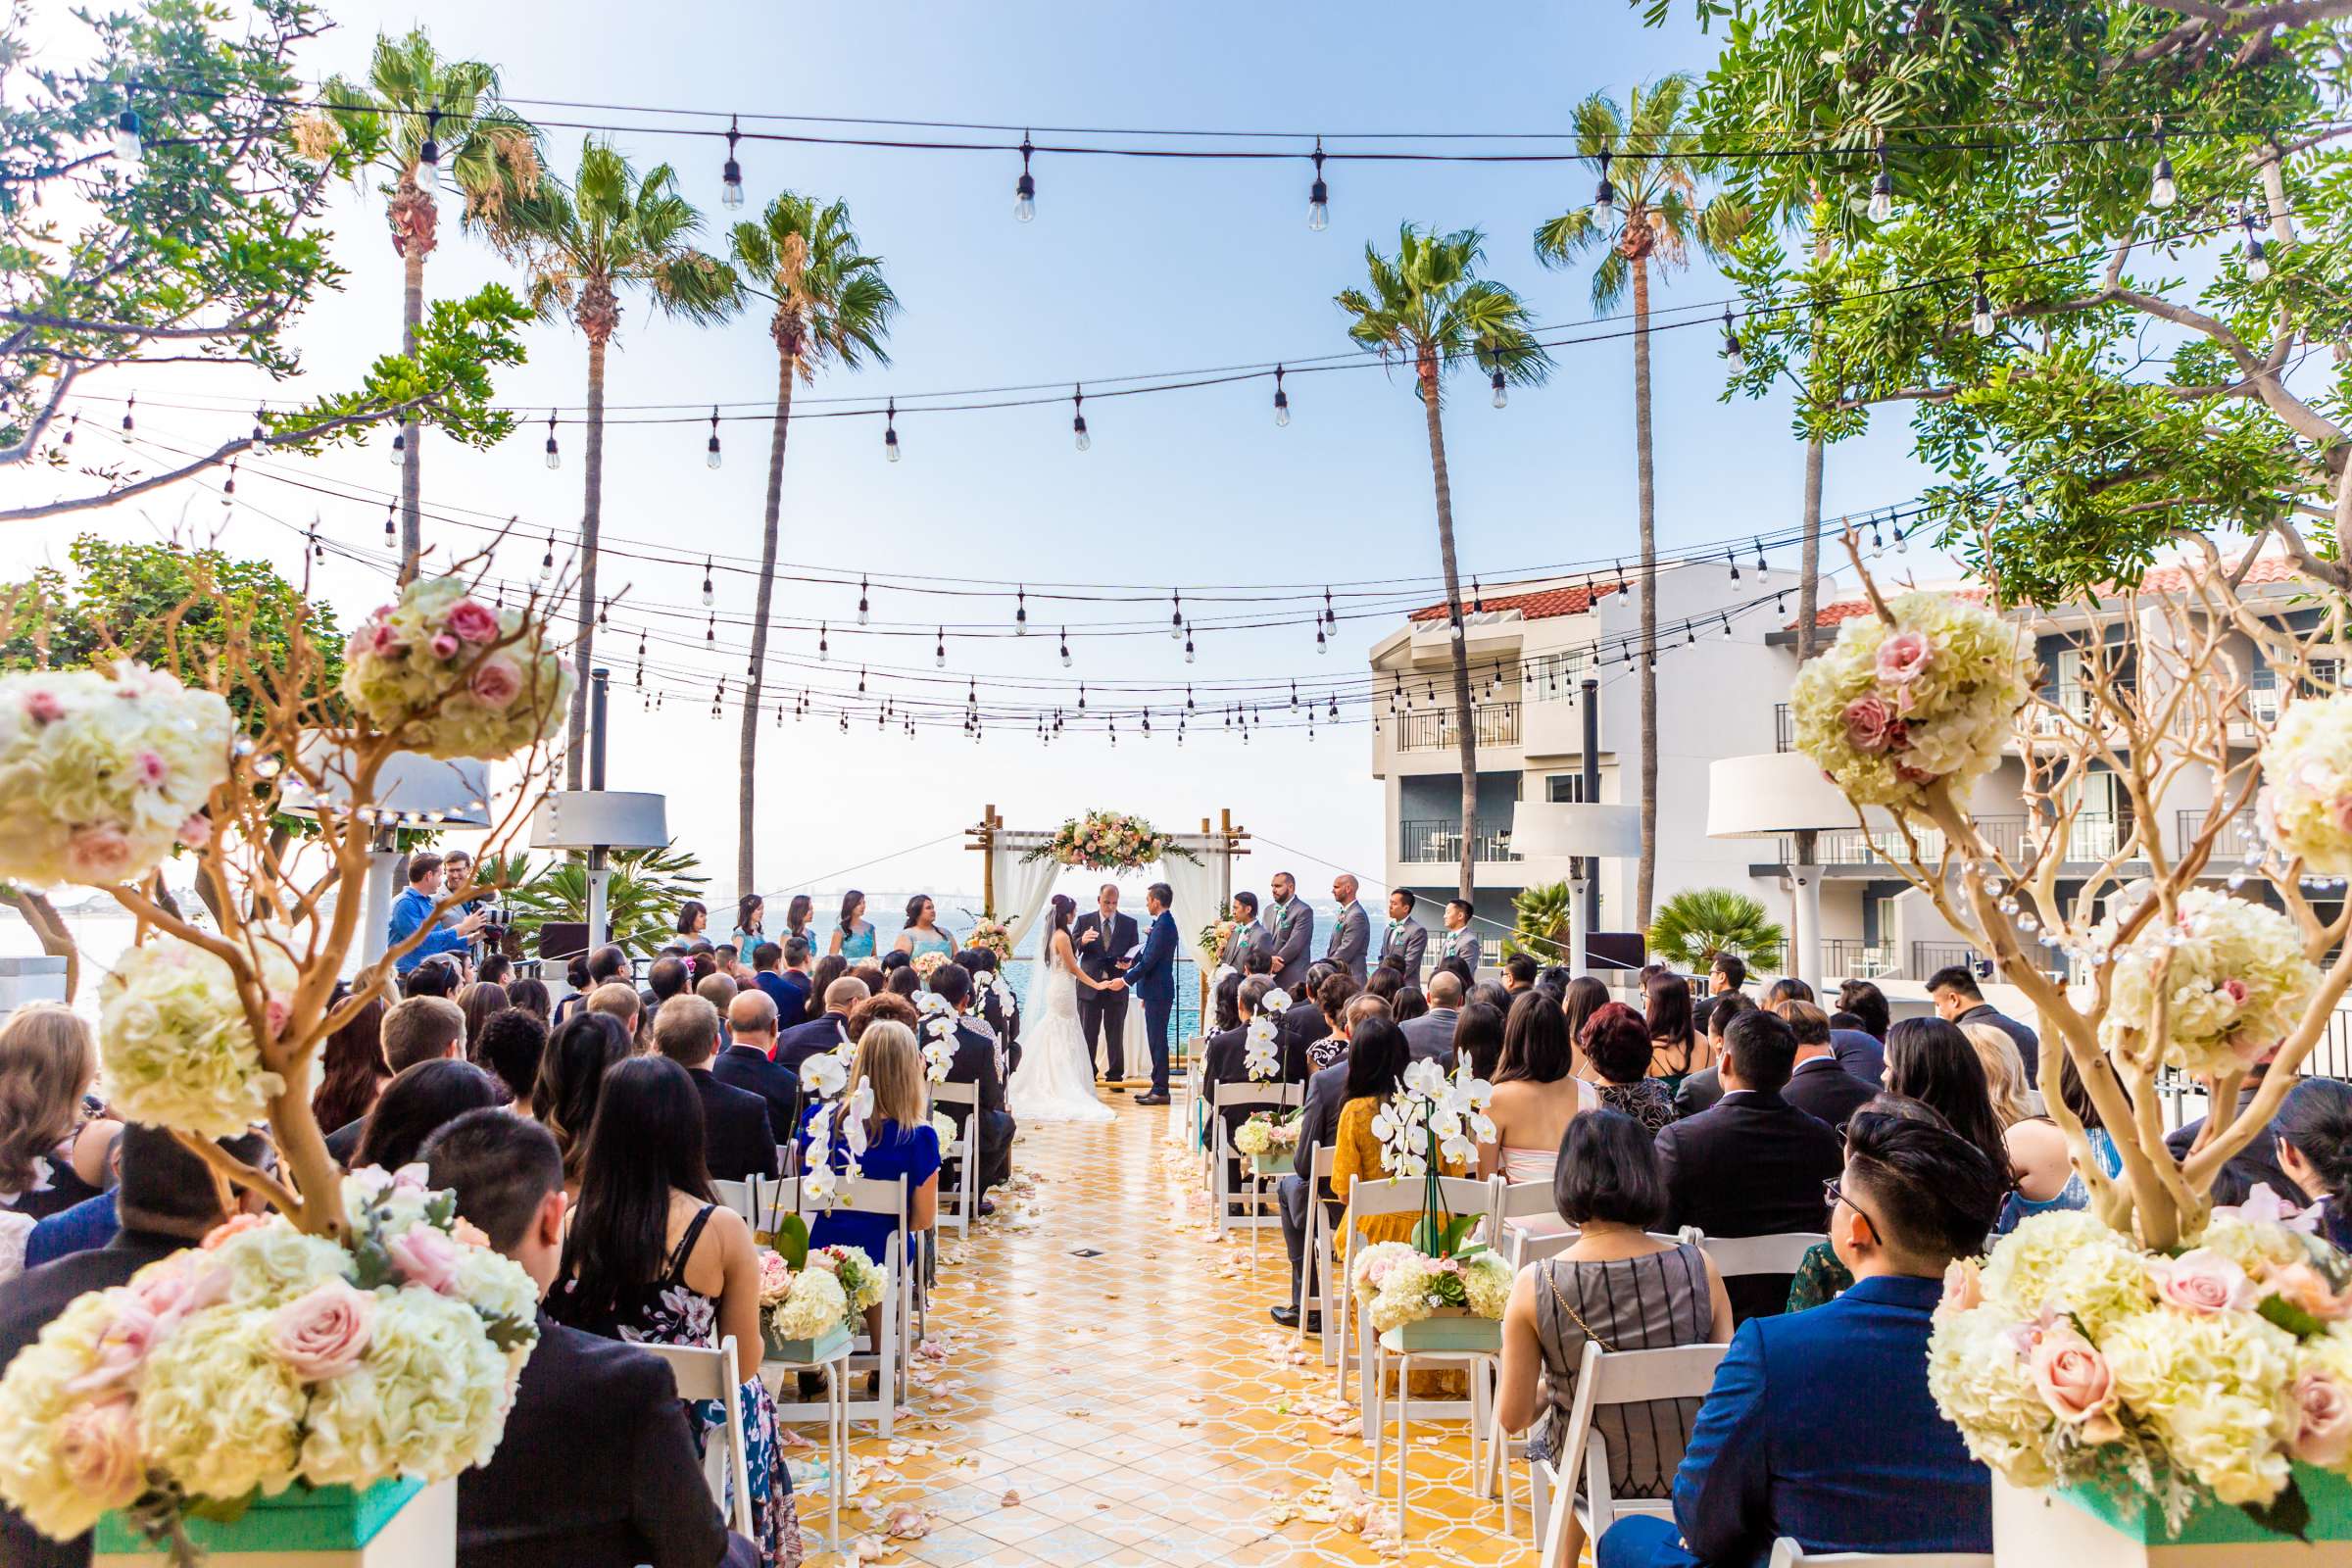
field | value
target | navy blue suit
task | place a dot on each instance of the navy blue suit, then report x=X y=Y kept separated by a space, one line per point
x=1820 y=1427
x=1153 y=979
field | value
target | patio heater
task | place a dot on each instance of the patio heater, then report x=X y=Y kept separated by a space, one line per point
x=1577 y=835
x=1777 y=795
x=597 y=821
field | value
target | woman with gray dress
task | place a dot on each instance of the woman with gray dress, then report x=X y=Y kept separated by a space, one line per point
x=1618 y=1287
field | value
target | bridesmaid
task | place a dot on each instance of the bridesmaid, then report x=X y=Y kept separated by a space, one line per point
x=854 y=936
x=750 y=927
x=922 y=934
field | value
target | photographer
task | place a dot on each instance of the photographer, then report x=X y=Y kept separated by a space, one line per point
x=414 y=909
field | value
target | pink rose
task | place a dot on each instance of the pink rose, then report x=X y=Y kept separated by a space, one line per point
x=443 y=645
x=473 y=621
x=98 y=1447
x=2073 y=1381
x=2322 y=1421
x=2300 y=1284
x=274 y=1013
x=1913 y=775
x=2234 y=989
x=196 y=832
x=497 y=682
x=324 y=1334
x=1962 y=1290
x=424 y=1257
x=1870 y=724
x=151 y=770
x=467 y=1231
x=379 y=638
x=2202 y=1281
x=99 y=853
x=229 y=1229
x=1903 y=657
x=42 y=707
x=189 y=1284
x=122 y=1344
x=2340 y=811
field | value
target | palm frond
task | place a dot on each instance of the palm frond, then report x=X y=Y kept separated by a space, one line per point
x=1695 y=924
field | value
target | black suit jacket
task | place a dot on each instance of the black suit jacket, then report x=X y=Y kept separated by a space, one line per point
x=1101 y=959
x=2028 y=1043
x=596 y=1469
x=748 y=1068
x=1319 y=1118
x=29 y=1304
x=2258 y=1162
x=802 y=1040
x=1302 y=1024
x=1827 y=1091
x=975 y=1062
x=344 y=1141
x=736 y=1140
x=1751 y=1166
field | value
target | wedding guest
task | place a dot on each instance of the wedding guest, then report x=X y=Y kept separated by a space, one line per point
x=2039 y=1157
x=352 y=1070
x=1493 y=994
x=1459 y=970
x=1616 y=1286
x=511 y=1044
x=436 y=976
x=1519 y=972
x=1376 y=1062
x=598 y=1467
x=748 y=934
x=653 y=1257
x=1226 y=1061
x=1788 y=988
x=1677 y=1050
x=799 y=915
x=1319 y=1117
x=1819 y=1426
x=1579 y=999
x=1957 y=999
x=1351 y=931
x=622 y=1003
x=1457 y=940
x=736 y=1142
x=495 y=968
x=694 y=918
x=783 y=973
x=478 y=1002
x=726 y=961
x=1385 y=982
x=977 y=1062
x=1478 y=1038
x=1753 y=1165
x=531 y=996
x=1334 y=1000
x=416 y=1102
x=1817 y=1085
x=718 y=990
x=668 y=976
x=571 y=1074
x=1867 y=1003
x=415 y=910
x=2258 y=1162
x=899 y=1141
x=748 y=1062
x=2314 y=1133
x=417 y=1029
x=1407 y=940
x=1536 y=1094
x=1615 y=1042
x=852 y=935
x=882 y=1008
x=903 y=982
x=921 y=933
x=824 y=1032
x=1303 y=1024
x=821 y=975
x=1225 y=1006
x=998 y=1007
x=575 y=975
x=1703 y=1088
x=1429 y=1034
x=1928 y=1059
x=2004 y=1074
x=1409 y=1002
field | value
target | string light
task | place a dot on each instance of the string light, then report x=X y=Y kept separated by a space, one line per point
x=429 y=155
x=711 y=631
x=1604 y=195
x=259 y=415
x=1021 y=613
x=2258 y=262
x=1761 y=568
x=555 y=459
x=1024 y=189
x=1980 y=321
x=1078 y=417
x=890 y=430
x=1282 y=400
x=730 y=172
x=229 y=487
x=130 y=148
x=709 y=595
x=1066 y=647
x=547 y=563
x=710 y=447
x=939 y=655
x=1503 y=394
x=399 y=446
x=66 y=439
x=862 y=603
x=1882 y=188
x=130 y=408
x=2162 y=193
x=1318 y=195
x=1176 y=618
x=391 y=534
x=823 y=648
x=1733 y=360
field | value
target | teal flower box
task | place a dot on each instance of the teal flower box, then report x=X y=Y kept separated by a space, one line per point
x=1274 y=1162
x=806 y=1352
x=2327 y=1494
x=307 y=1519
x=1449 y=1327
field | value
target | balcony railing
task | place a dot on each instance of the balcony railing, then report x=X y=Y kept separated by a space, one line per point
x=1496 y=724
x=1783 y=728
x=1849 y=958
x=2094 y=836
x=2078 y=702
x=2238 y=839
x=1438 y=841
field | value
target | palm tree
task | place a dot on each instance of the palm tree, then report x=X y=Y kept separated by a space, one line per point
x=1429 y=308
x=1656 y=151
x=832 y=308
x=1543 y=922
x=415 y=115
x=1697 y=923
x=611 y=230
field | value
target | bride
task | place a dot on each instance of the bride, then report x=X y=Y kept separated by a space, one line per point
x=1055 y=1081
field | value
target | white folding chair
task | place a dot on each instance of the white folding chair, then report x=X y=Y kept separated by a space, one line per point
x=1787 y=1553
x=710 y=1374
x=966 y=1152
x=886 y=1354
x=1239 y=1096
x=1783 y=1254
x=1315 y=1266
x=1528 y=1246
x=1612 y=1378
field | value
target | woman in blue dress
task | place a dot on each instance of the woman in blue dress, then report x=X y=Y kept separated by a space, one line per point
x=898 y=1143
x=854 y=933
x=922 y=933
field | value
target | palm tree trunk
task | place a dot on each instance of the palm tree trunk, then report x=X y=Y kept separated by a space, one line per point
x=592 y=516
x=1808 y=585
x=747 y=753
x=1646 y=877
x=1463 y=719
x=412 y=472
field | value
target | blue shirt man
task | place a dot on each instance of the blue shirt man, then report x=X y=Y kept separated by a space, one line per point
x=415 y=909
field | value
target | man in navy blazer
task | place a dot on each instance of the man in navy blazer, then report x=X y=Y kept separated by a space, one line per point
x=1820 y=1425
x=1151 y=977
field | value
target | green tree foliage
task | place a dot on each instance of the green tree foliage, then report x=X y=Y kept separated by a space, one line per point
x=1697 y=923
x=1541 y=920
x=641 y=897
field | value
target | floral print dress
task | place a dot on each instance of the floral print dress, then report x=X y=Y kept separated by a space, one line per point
x=669 y=1311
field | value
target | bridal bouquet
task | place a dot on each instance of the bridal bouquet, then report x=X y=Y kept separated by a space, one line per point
x=1891 y=708
x=926 y=964
x=266 y=1358
x=2209 y=992
x=1210 y=943
x=1402 y=1283
x=102 y=772
x=2305 y=805
x=2072 y=1356
x=1107 y=841
x=453 y=676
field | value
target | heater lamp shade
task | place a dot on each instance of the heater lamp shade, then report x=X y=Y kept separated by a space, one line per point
x=1542 y=829
x=411 y=789
x=1765 y=796
x=600 y=819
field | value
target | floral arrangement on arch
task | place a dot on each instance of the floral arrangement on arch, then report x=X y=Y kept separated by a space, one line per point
x=452 y=676
x=1259 y=1057
x=266 y=1358
x=1109 y=840
x=992 y=935
x=1925 y=694
x=1211 y=942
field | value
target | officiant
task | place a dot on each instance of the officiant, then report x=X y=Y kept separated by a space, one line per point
x=1106 y=942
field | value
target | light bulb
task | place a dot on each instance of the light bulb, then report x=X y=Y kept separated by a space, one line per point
x=1085 y=442
x=1882 y=198
x=129 y=150
x=1318 y=195
x=890 y=445
x=1604 y=195
x=1024 y=189
x=1982 y=320
x=400 y=446
x=730 y=174
x=555 y=459
x=2163 y=193
x=2258 y=264
x=710 y=457
x=1502 y=396
x=1282 y=409
x=1733 y=357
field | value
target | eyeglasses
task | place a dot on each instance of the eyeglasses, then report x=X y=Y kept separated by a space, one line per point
x=1832 y=1198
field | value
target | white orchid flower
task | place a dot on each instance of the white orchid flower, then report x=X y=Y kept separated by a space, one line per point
x=1424 y=1079
x=1274 y=1001
x=825 y=1074
x=1384 y=1125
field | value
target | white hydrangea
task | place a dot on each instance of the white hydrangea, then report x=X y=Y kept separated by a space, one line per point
x=2232 y=974
x=1978 y=1375
x=816 y=1305
x=2305 y=805
x=177 y=1047
x=430 y=1400
x=55 y=1495
x=218 y=1412
x=453 y=677
x=2068 y=1261
x=2213 y=1386
x=102 y=773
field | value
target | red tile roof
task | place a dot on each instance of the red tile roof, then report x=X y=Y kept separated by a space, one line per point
x=1540 y=605
x=2159 y=580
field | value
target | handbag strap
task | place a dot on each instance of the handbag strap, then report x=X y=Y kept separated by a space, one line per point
x=1574 y=1316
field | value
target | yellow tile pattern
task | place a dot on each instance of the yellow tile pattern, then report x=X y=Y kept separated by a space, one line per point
x=1136 y=1408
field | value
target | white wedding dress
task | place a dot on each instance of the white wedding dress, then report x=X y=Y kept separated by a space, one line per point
x=1055 y=1080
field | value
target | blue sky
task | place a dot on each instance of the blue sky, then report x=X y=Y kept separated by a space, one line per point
x=1131 y=265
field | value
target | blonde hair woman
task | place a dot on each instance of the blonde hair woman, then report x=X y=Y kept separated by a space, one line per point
x=2037 y=1148
x=2004 y=1072
x=54 y=1140
x=900 y=1143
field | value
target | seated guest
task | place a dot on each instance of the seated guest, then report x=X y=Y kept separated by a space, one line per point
x=55 y=1139
x=882 y=1008
x=1818 y=1086
x=718 y=990
x=829 y=968
x=1376 y=1062
x=2004 y=1074
x=977 y=1061
x=352 y=1070
x=1867 y=1003
x=2314 y=1133
x=2259 y=1160
x=1478 y=1038
x=900 y=1143
x=1429 y=1035
x=1754 y=1164
x=822 y=1032
x=1704 y=1087
x=575 y=975
x=1617 y=1286
x=748 y=1063
x=1678 y=1046
x=622 y=1003
x=903 y=981
x=668 y=978
x=1957 y=999
x=1788 y=988
x=416 y=1029
x=1385 y=981
x=1305 y=1024
x=168 y=1199
x=1519 y=972
x=1861 y=1049
x=598 y=1467
x=2039 y=1157
x=794 y=981
x=1819 y=1426
x=1536 y=1095
x=434 y=977
x=1579 y=999
x=582 y=1049
x=531 y=996
x=736 y=1142
x=1226 y=1061
x=480 y=1002
x=511 y=1044
x=1409 y=1002
x=1929 y=1061
x=415 y=1105
x=1616 y=1041
x=1318 y=1119
x=653 y=1257
x=998 y=1009
x=871 y=973
x=1493 y=994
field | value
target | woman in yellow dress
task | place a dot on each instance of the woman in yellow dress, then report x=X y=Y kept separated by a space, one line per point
x=1376 y=1062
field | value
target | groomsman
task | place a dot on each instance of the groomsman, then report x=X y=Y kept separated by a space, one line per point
x=1457 y=940
x=1249 y=935
x=1291 y=924
x=1351 y=933
x=1103 y=936
x=1153 y=979
x=1407 y=940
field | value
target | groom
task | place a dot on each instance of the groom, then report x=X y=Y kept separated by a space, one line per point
x=1103 y=936
x=1153 y=979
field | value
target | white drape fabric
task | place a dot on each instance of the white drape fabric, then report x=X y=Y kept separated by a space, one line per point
x=1022 y=889
x=1194 y=885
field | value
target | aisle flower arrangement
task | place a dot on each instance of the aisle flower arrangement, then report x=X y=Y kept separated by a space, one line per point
x=269 y=1357
x=992 y=935
x=2210 y=990
x=1402 y=1283
x=1109 y=840
x=1269 y=1135
x=452 y=676
x=177 y=1045
x=799 y=1304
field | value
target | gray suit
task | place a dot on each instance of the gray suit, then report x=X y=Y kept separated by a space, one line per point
x=1294 y=944
x=1408 y=943
x=1351 y=941
x=1463 y=945
x=1246 y=940
x=1429 y=1037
